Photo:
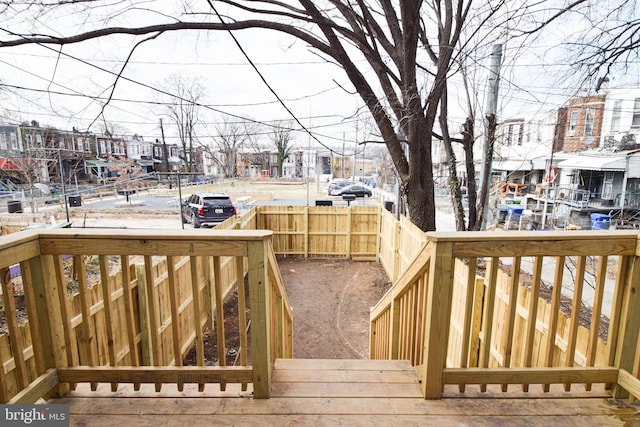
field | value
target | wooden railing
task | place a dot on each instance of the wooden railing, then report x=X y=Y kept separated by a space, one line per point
x=461 y=329
x=110 y=306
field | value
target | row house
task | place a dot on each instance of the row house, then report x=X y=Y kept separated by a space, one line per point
x=522 y=148
x=46 y=154
x=141 y=151
x=586 y=160
x=53 y=153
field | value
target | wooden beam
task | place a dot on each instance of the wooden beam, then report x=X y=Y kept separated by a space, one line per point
x=629 y=382
x=156 y=374
x=437 y=319
x=259 y=300
x=40 y=387
x=627 y=340
x=150 y=246
x=485 y=376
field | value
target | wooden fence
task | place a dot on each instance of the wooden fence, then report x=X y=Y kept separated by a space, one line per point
x=322 y=231
x=400 y=242
x=136 y=325
x=463 y=329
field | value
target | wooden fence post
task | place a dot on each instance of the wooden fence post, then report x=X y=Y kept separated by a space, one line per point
x=629 y=324
x=143 y=310
x=51 y=324
x=259 y=298
x=436 y=337
x=396 y=251
x=348 y=242
x=306 y=231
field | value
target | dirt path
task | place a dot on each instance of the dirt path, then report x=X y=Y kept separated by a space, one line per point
x=331 y=301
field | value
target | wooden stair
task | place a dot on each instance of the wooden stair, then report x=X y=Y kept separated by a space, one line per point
x=344 y=378
x=320 y=392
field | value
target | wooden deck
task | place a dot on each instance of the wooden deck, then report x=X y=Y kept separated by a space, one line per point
x=340 y=392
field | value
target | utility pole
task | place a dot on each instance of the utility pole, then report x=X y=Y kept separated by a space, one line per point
x=490 y=132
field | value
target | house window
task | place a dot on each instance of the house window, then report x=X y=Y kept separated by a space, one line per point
x=615 y=115
x=13 y=141
x=87 y=145
x=39 y=140
x=588 y=121
x=635 y=123
x=573 y=123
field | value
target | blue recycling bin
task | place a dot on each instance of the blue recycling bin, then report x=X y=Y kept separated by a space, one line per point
x=515 y=210
x=600 y=221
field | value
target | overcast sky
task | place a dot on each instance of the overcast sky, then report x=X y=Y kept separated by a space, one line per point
x=60 y=90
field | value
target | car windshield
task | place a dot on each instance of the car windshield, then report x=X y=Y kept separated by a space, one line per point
x=217 y=201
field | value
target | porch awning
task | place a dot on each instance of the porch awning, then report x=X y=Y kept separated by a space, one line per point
x=143 y=162
x=99 y=163
x=511 y=165
x=602 y=163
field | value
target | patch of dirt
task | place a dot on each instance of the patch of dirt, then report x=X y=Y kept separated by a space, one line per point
x=330 y=300
x=232 y=335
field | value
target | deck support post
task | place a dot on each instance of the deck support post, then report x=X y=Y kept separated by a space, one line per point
x=629 y=325
x=51 y=324
x=436 y=336
x=260 y=318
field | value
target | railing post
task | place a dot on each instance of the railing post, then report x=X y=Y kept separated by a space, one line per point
x=396 y=251
x=51 y=324
x=143 y=312
x=438 y=318
x=260 y=318
x=394 y=330
x=306 y=231
x=629 y=324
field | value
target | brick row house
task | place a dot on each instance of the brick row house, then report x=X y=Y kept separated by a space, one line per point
x=46 y=154
x=581 y=159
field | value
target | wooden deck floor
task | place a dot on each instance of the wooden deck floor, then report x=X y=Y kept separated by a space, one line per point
x=338 y=392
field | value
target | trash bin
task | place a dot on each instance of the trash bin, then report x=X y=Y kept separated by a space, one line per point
x=513 y=210
x=14 y=206
x=388 y=205
x=75 y=201
x=324 y=202
x=600 y=221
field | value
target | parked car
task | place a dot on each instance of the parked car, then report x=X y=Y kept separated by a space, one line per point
x=207 y=209
x=356 y=190
x=337 y=185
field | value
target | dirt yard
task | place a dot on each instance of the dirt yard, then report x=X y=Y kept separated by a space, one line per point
x=331 y=300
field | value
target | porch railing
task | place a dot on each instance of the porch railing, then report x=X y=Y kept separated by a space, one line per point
x=143 y=299
x=462 y=320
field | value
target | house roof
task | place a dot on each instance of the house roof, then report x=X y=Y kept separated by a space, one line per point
x=7 y=164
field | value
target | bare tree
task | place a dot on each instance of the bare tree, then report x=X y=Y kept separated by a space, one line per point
x=232 y=137
x=281 y=139
x=182 y=109
x=398 y=56
x=128 y=175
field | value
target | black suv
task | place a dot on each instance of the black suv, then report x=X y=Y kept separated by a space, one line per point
x=207 y=209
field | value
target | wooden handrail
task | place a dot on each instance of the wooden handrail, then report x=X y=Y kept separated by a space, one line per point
x=178 y=278
x=498 y=318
